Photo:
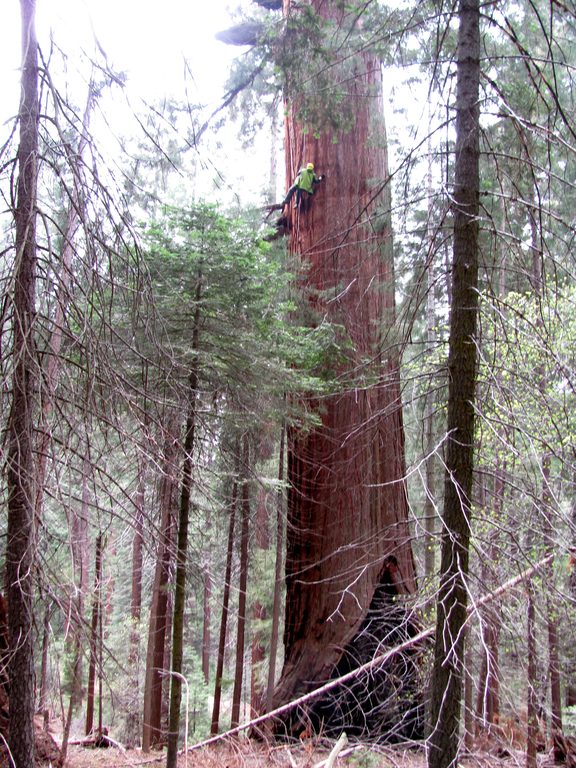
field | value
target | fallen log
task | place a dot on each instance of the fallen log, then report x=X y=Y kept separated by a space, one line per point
x=377 y=661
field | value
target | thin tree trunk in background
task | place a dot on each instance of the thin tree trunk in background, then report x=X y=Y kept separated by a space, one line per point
x=556 y=726
x=182 y=547
x=242 y=586
x=94 y=635
x=206 y=635
x=19 y=458
x=48 y=389
x=132 y=724
x=262 y=542
x=43 y=686
x=79 y=548
x=152 y=710
x=62 y=300
x=570 y=694
x=258 y=654
x=487 y=702
x=430 y=510
x=276 y=605
x=225 y=608
x=468 y=698
x=532 y=682
x=273 y=179
x=488 y=698
x=446 y=683
x=76 y=670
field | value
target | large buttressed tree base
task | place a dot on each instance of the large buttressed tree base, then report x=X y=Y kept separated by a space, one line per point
x=348 y=544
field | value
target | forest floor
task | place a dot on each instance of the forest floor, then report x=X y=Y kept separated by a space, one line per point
x=250 y=755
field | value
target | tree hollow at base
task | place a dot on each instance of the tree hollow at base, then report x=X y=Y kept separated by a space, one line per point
x=385 y=703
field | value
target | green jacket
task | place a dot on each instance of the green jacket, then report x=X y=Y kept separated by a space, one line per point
x=305 y=180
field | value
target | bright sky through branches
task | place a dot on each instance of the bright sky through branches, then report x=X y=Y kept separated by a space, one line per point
x=164 y=49
x=150 y=41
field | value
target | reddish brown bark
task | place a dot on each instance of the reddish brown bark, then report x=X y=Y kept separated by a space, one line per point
x=242 y=586
x=182 y=540
x=158 y=625
x=532 y=682
x=95 y=628
x=224 y=617
x=206 y=634
x=347 y=506
x=259 y=613
x=132 y=716
x=278 y=579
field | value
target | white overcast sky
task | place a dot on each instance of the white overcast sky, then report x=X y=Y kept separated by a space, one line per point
x=166 y=47
x=147 y=38
x=150 y=40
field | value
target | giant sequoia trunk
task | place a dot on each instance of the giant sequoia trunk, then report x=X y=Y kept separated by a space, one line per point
x=347 y=536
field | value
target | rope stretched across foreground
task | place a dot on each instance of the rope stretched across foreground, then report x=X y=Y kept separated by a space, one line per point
x=379 y=660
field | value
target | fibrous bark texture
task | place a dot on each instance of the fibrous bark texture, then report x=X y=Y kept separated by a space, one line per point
x=19 y=461
x=446 y=684
x=347 y=505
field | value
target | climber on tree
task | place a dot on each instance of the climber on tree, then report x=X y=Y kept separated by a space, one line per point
x=303 y=187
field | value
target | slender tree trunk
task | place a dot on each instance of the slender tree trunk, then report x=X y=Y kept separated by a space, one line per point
x=532 y=699
x=468 y=698
x=20 y=465
x=94 y=635
x=258 y=654
x=547 y=503
x=79 y=548
x=430 y=509
x=152 y=711
x=132 y=726
x=242 y=586
x=488 y=698
x=570 y=695
x=62 y=300
x=225 y=608
x=182 y=547
x=76 y=671
x=43 y=686
x=446 y=684
x=259 y=613
x=556 y=726
x=206 y=635
x=277 y=599
x=78 y=525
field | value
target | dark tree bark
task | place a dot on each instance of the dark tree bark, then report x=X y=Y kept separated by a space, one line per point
x=532 y=682
x=95 y=625
x=20 y=464
x=46 y=631
x=429 y=431
x=158 y=624
x=51 y=371
x=446 y=684
x=206 y=634
x=347 y=506
x=278 y=580
x=225 y=609
x=242 y=587
x=259 y=614
x=133 y=726
x=182 y=545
